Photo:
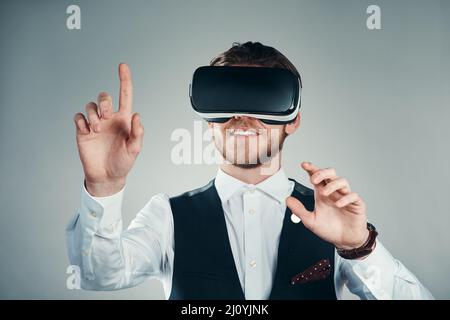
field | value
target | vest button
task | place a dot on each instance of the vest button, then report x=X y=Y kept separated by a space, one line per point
x=295 y=219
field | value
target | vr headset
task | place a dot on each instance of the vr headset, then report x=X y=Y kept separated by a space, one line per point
x=218 y=93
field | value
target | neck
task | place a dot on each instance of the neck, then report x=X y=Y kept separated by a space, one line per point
x=253 y=175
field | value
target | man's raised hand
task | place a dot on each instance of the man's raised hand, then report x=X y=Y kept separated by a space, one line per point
x=109 y=142
x=339 y=215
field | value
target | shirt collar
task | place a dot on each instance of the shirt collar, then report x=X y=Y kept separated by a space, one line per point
x=276 y=186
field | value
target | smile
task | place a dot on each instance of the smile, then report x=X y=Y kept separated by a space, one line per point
x=242 y=132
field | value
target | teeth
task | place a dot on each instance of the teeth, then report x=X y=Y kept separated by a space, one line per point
x=240 y=132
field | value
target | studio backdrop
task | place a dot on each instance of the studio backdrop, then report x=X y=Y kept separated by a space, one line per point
x=375 y=106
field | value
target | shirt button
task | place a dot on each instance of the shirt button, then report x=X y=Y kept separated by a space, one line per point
x=251 y=211
x=93 y=214
x=253 y=263
x=85 y=252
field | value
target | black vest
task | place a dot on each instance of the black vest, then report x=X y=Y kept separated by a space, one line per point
x=204 y=267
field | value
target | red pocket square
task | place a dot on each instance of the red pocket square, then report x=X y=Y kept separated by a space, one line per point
x=318 y=271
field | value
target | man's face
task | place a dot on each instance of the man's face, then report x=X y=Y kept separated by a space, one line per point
x=247 y=142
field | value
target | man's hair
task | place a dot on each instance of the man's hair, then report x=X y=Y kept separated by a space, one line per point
x=254 y=53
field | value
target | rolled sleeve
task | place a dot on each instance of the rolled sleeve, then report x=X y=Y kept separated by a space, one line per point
x=377 y=272
x=380 y=276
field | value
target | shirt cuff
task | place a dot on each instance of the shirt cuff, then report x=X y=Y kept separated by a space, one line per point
x=376 y=271
x=105 y=212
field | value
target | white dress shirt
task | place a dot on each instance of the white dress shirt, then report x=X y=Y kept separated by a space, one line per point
x=111 y=258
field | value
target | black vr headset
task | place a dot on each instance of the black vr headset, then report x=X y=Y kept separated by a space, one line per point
x=218 y=93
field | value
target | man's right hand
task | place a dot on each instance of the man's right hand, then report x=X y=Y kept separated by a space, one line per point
x=109 y=142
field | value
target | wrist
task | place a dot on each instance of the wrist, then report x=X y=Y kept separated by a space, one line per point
x=362 y=251
x=105 y=188
x=356 y=244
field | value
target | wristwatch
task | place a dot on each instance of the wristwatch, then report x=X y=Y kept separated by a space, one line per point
x=365 y=249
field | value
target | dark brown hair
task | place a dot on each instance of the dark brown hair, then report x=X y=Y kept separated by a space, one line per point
x=254 y=53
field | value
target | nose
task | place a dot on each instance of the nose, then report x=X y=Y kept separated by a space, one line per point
x=242 y=117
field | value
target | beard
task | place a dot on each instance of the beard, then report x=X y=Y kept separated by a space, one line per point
x=249 y=152
x=263 y=156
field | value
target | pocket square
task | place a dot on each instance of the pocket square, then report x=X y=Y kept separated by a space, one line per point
x=317 y=271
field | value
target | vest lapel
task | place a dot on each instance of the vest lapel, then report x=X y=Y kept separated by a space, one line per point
x=284 y=249
x=298 y=250
x=229 y=258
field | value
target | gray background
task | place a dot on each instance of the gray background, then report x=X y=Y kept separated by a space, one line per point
x=375 y=107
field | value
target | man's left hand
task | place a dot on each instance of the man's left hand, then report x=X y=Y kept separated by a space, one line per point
x=339 y=215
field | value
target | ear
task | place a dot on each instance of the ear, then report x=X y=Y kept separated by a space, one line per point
x=291 y=127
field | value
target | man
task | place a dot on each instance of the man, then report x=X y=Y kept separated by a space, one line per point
x=250 y=233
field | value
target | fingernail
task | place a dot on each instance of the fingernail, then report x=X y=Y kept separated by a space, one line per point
x=97 y=127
